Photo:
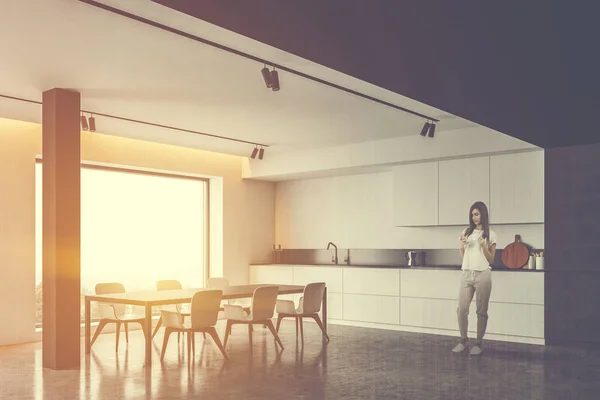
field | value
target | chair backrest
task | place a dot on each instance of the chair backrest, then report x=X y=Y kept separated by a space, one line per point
x=205 y=308
x=110 y=288
x=217 y=283
x=170 y=284
x=110 y=310
x=313 y=297
x=263 y=302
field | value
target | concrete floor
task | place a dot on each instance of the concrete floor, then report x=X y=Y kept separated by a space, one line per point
x=358 y=363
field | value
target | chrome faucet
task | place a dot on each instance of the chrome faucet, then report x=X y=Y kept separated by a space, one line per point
x=347 y=258
x=334 y=259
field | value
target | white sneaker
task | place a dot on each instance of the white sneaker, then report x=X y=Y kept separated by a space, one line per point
x=459 y=348
x=475 y=351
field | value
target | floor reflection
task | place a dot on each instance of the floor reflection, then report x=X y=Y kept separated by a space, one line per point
x=357 y=364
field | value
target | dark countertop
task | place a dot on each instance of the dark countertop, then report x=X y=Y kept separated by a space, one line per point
x=444 y=267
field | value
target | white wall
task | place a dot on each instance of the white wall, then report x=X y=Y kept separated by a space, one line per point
x=247 y=213
x=356 y=212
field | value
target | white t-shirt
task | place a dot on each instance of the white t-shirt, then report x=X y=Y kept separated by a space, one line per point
x=474 y=259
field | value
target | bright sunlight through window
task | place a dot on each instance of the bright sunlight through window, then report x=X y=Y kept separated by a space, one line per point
x=136 y=229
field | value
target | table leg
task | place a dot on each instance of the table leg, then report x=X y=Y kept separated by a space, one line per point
x=324 y=311
x=148 y=335
x=88 y=317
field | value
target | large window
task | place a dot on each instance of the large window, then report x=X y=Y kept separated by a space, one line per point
x=136 y=228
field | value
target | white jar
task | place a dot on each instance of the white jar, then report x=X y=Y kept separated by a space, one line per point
x=531 y=264
x=539 y=262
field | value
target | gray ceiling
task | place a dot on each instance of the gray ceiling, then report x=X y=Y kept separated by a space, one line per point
x=526 y=68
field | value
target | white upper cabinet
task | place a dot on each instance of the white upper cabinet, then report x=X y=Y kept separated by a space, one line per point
x=440 y=193
x=517 y=188
x=416 y=194
x=461 y=183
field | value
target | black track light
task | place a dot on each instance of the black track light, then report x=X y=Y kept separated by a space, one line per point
x=261 y=153
x=92 y=123
x=254 y=152
x=425 y=129
x=274 y=81
x=267 y=76
x=84 y=124
x=431 y=130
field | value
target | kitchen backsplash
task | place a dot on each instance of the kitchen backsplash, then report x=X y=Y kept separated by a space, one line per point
x=373 y=256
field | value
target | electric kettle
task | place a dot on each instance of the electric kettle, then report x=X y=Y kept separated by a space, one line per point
x=414 y=258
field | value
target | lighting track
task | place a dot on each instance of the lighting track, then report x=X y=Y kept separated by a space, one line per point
x=145 y=123
x=249 y=56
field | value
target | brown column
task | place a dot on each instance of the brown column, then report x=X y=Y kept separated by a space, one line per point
x=61 y=229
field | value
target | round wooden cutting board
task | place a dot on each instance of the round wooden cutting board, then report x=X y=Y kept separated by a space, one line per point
x=516 y=254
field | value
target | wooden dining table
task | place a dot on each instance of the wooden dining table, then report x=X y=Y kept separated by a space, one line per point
x=155 y=298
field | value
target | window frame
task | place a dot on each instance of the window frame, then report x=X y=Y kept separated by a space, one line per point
x=161 y=173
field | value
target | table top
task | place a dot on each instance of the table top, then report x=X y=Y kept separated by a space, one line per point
x=165 y=297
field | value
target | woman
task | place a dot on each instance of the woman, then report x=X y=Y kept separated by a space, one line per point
x=477 y=249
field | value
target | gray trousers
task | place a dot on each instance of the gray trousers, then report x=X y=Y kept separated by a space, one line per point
x=480 y=284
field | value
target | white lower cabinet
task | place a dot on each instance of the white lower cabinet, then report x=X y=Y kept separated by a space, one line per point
x=418 y=299
x=378 y=281
x=428 y=313
x=516 y=319
x=518 y=287
x=370 y=308
x=271 y=274
x=334 y=306
x=430 y=283
x=332 y=276
x=524 y=320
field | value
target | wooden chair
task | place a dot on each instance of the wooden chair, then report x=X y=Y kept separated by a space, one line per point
x=261 y=312
x=115 y=313
x=169 y=285
x=203 y=317
x=308 y=307
x=222 y=283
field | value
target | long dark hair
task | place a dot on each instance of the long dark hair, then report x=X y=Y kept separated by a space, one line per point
x=484 y=219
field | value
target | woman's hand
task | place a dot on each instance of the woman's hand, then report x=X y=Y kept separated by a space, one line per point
x=463 y=241
x=482 y=242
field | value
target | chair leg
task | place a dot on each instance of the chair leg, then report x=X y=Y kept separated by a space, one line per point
x=193 y=342
x=279 y=318
x=213 y=333
x=179 y=333
x=227 y=332
x=274 y=332
x=204 y=335
x=250 y=333
x=296 y=318
x=126 y=333
x=168 y=332
x=318 y=321
x=143 y=325
x=99 y=328
x=118 y=336
x=189 y=347
x=301 y=329
x=157 y=327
